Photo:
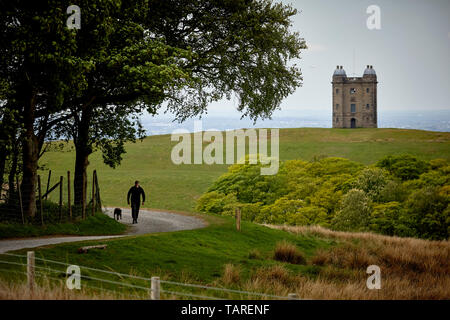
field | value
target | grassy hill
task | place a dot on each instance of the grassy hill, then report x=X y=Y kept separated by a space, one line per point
x=175 y=187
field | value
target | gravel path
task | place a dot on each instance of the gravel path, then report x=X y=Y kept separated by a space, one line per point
x=149 y=222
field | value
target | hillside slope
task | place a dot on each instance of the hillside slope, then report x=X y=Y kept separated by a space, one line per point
x=175 y=187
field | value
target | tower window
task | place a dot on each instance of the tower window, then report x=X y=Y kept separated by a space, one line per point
x=337 y=90
x=367 y=106
x=367 y=90
x=352 y=90
x=337 y=105
x=353 y=108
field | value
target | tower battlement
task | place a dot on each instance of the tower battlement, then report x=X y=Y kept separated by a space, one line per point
x=354 y=99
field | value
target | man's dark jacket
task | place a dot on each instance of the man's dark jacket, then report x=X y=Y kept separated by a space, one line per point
x=135 y=193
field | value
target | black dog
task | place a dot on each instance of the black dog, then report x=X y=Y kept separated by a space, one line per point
x=118 y=213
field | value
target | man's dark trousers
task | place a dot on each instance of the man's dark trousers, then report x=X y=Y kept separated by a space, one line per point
x=135 y=210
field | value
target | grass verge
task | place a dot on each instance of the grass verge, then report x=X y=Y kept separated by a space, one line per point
x=99 y=224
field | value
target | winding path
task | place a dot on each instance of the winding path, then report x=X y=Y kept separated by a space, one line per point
x=149 y=222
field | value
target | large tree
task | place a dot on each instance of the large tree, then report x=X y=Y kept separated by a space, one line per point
x=38 y=69
x=229 y=47
x=132 y=71
x=131 y=57
x=54 y=73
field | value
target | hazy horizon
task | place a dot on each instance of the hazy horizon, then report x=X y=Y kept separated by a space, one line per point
x=420 y=120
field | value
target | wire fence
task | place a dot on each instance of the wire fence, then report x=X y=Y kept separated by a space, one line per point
x=127 y=285
x=54 y=200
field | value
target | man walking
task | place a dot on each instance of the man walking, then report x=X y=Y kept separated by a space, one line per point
x=135 y=193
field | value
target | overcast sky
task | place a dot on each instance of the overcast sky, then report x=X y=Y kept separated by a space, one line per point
x=410 y=53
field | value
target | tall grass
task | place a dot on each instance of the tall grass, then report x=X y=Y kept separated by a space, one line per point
x=53 y=291
x=410 y=268
x=288 y=252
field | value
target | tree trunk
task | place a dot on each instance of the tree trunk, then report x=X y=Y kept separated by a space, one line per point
x=30 y=165
x=12 y=173
x=83 y=149
x=3 y=156
x=30 y=158
x=80 y=179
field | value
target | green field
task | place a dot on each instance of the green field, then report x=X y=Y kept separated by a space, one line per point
x=173 y=187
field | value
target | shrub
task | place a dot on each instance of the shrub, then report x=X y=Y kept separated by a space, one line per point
x=337 y=193
x=278 y=212
x=215 y=202
x=428 y=214
x=405 y=167
x=250 y=211
x=231 y=274
x=288 y=252
x=385 y=219
x=393 y=191
x=308 y=216
x=355 y=212
x=272 y=276
x=371 y=181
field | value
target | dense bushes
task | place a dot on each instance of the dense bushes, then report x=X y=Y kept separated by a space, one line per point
x=400 y=195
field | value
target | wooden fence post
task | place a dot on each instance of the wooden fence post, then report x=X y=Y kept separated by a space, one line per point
x=156 y=288
x=97 y=188
x=68 y=196
x=40 y=200
x=20 y=199
x=48 y=183
x=93 y=193
x=238 y=219
x=60 y=197
x=30 y=271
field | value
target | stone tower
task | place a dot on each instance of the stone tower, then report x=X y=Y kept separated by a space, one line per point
x=354 y=99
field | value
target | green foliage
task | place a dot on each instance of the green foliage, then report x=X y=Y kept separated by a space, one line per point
x=428 y=214
x=317 y=186
x=405 y=167
x=340 y=194
x=372 y=181
x=355 y=212
x=393 y=191
x=280 y=211
x=215 y=202
x=308 y=216
x=386 y=217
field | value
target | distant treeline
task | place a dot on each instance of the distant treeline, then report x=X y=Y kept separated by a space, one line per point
x=399 y=195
